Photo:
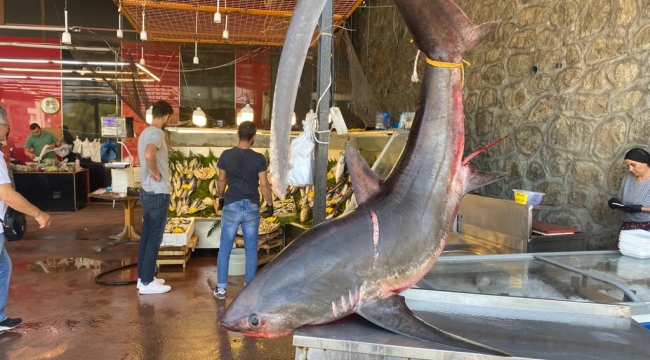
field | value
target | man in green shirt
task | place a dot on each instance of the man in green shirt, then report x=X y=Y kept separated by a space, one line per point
x=38 y=140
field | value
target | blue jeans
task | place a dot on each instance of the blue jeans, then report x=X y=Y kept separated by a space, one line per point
x=154 y=218
x=247 y=214
x=5 y=274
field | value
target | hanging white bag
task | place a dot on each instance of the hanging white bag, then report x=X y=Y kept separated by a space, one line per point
x=301 y=156
x=96 y=153
x=76 y=146
x=86 y=149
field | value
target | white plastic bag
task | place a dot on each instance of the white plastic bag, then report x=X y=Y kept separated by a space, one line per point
x=76 y=148
x=301 y=157
x=63 y=150
x=86 y=149
x=96 y=151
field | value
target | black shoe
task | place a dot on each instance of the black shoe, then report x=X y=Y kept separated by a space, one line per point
x=9 y=323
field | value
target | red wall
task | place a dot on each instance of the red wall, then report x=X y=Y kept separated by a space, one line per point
x=21 y=97
x=164 y=63
x=252 y=78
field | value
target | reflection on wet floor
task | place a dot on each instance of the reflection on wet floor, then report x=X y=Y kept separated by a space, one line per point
x=71 y=264
x=67 y=315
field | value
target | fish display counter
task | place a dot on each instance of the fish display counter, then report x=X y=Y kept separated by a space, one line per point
x=574 y=305
x=371 y=144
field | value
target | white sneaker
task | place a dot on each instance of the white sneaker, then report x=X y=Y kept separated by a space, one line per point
x=154 y=288
x=159 y=281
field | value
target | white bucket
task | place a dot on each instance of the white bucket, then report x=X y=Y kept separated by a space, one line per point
x=237 y=263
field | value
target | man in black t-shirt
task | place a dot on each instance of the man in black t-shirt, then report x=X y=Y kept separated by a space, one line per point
x=242 y=169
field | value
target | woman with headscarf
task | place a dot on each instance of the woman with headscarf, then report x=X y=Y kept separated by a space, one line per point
x=634 y=193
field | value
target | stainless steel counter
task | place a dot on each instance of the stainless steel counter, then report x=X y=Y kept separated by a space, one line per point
x=573 y=305
x=526 y=328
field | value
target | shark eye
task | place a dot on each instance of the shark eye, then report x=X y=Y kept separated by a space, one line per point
x=254 y=320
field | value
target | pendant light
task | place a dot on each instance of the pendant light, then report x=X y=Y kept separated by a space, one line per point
x=247 y=112
x=226 y=35
x=217 y=15
x=120 y=33
x=198 y=117
x=142 y=56
x=66 y=38
x=196 y=42
x=143 y=33
x=149 y=115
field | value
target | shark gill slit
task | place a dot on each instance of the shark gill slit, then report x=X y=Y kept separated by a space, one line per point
x=375 y=234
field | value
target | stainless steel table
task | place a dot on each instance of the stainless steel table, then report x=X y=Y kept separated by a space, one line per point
x=526 y=328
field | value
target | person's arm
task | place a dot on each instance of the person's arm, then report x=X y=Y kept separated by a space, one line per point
x=150 y=158
x=221 y=183
x=13 y=198
x=265 y=187
x=54 y=142
x=29 y=148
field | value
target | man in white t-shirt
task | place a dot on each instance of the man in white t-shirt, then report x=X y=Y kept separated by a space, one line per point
x=9 y=197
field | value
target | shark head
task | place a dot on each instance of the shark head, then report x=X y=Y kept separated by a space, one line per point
x=269 y=311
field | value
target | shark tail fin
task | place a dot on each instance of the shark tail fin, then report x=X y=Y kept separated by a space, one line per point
x=477 y=34
x=393 y=314
x=364 y=181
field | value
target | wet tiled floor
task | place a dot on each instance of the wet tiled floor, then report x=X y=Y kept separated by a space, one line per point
x=66 y=315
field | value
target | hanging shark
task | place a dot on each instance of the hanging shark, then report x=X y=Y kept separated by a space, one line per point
x=361 y=262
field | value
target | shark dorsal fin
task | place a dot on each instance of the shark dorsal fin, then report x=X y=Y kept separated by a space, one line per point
x=474 y=179
x=364 y=181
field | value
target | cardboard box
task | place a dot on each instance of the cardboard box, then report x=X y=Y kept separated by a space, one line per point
x=179 y=239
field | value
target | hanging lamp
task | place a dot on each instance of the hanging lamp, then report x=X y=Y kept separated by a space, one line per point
x=148 y=118
x=143 y=33
x=217 y=15
x=226 y=35
x=198 y=117
x=247 y=112
x=142 y=56
x=66 y=38
x=120 y=32
x=196 y=42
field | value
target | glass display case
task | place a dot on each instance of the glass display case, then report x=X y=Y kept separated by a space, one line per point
x=371 y=144
x=604 y=277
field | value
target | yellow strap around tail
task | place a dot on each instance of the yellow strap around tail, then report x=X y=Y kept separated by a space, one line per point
x=447 y=65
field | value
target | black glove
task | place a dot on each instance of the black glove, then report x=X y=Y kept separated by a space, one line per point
x=221 y=202
x=269 y=209
x=632 y=208
x=616 y=204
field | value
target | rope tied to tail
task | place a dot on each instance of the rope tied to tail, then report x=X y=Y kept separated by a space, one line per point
x=447 y=65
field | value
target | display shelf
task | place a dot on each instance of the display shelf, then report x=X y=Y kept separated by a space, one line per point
x=177 y=255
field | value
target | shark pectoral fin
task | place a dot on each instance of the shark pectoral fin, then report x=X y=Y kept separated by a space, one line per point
x=364 y=181
x=392 y=314
x=476 y=179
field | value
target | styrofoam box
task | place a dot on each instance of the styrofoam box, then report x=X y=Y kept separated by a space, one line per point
x=179 y=239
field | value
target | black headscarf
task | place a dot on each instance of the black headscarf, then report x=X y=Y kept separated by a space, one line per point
x=638 y=155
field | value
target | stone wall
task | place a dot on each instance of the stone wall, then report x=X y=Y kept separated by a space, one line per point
x=567 y=80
